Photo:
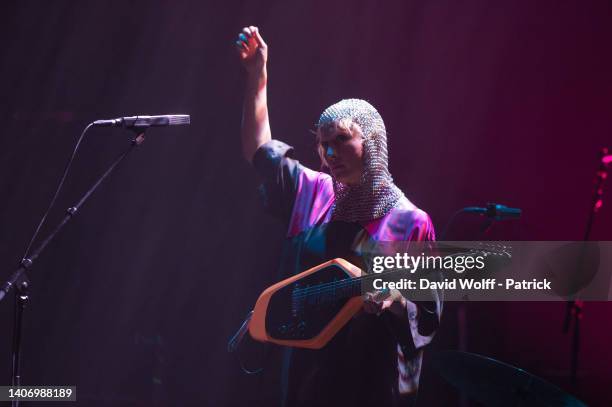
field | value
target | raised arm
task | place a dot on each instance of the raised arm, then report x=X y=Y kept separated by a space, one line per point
x=253 y=53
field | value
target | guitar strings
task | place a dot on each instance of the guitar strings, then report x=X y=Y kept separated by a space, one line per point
x=336 y=285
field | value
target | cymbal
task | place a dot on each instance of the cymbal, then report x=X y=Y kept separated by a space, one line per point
x=494 y=383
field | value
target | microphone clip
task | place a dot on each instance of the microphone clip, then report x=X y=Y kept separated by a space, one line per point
x=499 y=212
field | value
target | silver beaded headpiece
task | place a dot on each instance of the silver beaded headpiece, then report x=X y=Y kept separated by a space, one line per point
x=376 y=194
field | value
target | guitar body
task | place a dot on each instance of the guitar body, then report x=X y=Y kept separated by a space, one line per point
x=295 y=312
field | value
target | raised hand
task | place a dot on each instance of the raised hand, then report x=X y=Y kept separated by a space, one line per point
x=253 y=53
x=252 y=50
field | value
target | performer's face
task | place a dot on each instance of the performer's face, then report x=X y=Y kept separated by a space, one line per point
x=341 y=149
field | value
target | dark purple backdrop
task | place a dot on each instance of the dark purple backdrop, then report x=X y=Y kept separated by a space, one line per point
x=484 y=101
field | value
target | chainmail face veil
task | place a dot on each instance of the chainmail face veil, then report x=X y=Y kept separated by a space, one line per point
x=376 y=194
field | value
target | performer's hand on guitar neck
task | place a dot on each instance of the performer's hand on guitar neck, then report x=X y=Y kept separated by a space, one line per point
x=253 y=53
x=379 y=301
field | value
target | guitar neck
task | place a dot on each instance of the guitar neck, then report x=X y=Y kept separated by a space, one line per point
x=352 y=287
x=333 y=291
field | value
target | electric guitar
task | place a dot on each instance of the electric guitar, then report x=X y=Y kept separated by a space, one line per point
x=308 y=309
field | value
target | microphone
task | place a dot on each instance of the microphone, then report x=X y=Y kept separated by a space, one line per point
x=495 y=211
x=143 y=122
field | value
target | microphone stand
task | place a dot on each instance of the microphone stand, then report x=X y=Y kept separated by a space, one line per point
x=574 y=307
x=491 y=215
x=20 y=280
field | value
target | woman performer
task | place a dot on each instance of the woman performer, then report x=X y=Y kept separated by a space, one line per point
x=375 y=359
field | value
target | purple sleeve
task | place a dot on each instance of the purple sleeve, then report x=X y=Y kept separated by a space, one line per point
x=298 y=195
x=313 y=201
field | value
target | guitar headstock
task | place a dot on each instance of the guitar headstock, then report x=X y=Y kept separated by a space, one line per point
x=494 y=249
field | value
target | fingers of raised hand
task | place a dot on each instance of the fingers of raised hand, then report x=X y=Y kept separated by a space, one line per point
x=249 y=40
x=242 y=47
x=243 y=40
x=248 y=35
x=257 y=36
